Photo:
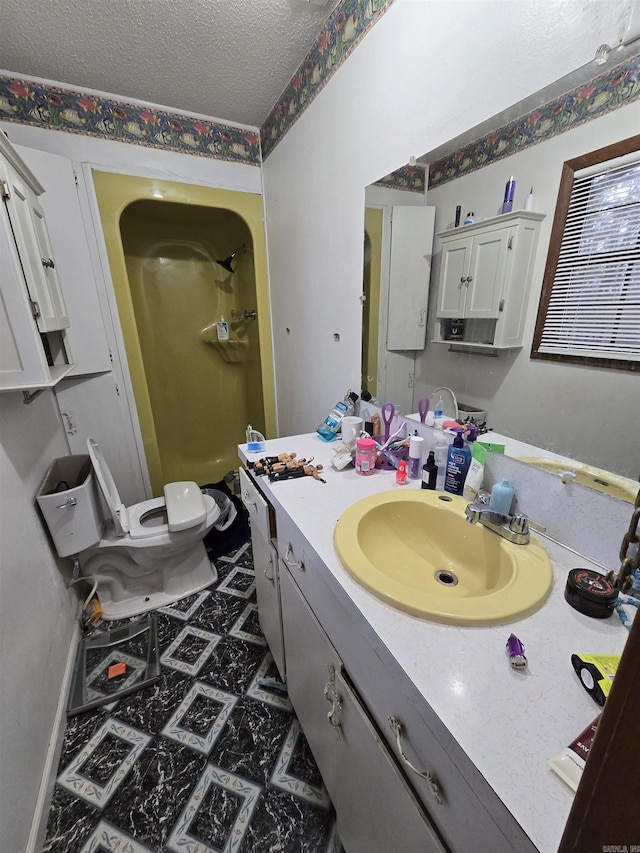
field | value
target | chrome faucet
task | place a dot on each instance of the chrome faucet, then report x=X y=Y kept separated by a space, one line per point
x=514 y=528
x=243 y=314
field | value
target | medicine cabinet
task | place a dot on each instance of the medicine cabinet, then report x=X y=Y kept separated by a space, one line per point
x=34 y=351
x=485 y=279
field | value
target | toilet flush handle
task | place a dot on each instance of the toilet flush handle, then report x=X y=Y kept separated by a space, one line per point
x=68 y=503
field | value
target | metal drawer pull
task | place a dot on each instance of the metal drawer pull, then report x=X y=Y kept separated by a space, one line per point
x=332 y=695
x=247 y=502
x=429 y=778
x=289 y=559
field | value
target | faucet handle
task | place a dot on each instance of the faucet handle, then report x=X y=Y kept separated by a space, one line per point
x=521 y=524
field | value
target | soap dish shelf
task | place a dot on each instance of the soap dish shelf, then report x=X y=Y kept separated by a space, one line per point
x=231 y=351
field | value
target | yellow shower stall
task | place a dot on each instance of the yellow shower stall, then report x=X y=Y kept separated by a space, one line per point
x=195 y=389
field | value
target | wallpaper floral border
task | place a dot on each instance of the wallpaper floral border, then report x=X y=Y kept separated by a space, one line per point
x=59 y=108
x=615 y=88
x=91 y=115
x=411 y=178
x=344 y=30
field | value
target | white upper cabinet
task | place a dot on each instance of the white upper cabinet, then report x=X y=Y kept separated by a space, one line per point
x=74 y=265
x=36 y=255
x=410 y=270
x=34 y=352
x=50 y=317
x=485 y=278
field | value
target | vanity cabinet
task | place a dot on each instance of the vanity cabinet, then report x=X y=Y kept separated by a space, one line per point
x=485 y=278
x=376 y=810
x=265 y=562
x=330 y=655
x=33 y=317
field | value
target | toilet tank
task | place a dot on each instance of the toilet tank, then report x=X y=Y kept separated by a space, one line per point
x=68 y=499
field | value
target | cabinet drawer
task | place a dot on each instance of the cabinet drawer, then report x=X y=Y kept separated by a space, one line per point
x=304 y=564
x=428 y=761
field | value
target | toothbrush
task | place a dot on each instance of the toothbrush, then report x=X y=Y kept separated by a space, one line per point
x=391 y=437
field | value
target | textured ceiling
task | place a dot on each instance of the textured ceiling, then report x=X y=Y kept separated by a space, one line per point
x=229 y=59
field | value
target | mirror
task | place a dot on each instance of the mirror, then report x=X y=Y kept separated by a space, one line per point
x=578 y=412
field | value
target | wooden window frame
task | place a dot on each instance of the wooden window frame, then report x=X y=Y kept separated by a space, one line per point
x=570 y=167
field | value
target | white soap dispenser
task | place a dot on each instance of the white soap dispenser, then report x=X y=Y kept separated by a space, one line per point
x=222 y=328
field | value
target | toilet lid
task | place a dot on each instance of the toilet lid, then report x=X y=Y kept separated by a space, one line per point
x=108 y=487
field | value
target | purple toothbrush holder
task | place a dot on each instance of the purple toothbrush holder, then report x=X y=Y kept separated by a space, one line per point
x=385 y=465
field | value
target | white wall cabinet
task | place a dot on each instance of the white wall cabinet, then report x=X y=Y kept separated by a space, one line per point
x=34 y=350
x=70 y=240
x=485 y=278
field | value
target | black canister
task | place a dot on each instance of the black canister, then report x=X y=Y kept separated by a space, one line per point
x=590 y=593
x=454 y=330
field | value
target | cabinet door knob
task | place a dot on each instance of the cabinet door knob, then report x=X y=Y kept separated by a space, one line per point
x=247 y=502
x=48 y=263
x=462 y=279
x=429 y=778
x=469 y=278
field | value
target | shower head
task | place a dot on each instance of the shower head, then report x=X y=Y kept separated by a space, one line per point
x=226 y=263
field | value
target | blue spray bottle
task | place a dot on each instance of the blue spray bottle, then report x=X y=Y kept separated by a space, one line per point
x=458 y=461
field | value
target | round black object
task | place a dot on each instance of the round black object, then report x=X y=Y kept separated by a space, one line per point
x=590 y=593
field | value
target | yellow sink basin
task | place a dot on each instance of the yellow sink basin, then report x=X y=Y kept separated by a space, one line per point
x=415 y=550
x=619 y=487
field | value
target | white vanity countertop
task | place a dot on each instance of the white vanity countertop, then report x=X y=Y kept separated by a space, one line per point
x=509 y=723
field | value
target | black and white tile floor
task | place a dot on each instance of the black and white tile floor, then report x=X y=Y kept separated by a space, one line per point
x=208 y=759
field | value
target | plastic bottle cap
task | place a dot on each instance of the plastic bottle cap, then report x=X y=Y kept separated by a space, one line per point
x=415 y=446
x=365 y=444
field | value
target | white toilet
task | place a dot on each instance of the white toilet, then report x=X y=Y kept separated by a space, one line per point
x=152 y=553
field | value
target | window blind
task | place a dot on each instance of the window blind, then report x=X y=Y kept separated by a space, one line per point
x=594 y=305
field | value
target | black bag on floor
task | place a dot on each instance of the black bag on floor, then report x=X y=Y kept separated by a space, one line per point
x=231 y=530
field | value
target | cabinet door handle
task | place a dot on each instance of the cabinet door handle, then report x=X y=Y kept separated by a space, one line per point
x=247 y=502
x=290 y=561
x=429 y=778
x=268 y=576
x=332 y=695
x=48 y=263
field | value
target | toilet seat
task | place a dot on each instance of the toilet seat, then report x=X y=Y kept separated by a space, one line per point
x=184 y=502
x=136 y=513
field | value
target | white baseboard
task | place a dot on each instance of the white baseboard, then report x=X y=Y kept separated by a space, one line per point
x=45 y=792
